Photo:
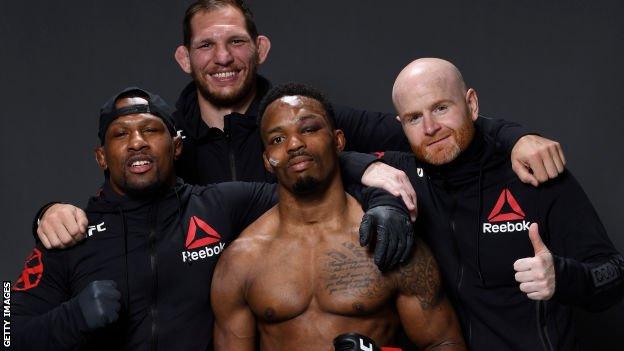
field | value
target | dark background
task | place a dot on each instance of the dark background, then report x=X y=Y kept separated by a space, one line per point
x=552 y=66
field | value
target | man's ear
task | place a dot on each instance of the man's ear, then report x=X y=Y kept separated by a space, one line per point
x=100 y=158
x=267 y=164
x=473 y=104
x=264 y=46
x=182 y=56
x=340 y=140
x=177 y=147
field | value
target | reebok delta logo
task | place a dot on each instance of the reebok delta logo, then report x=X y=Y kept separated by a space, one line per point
x=200 y=235
x=512 y=212
x=32 y=272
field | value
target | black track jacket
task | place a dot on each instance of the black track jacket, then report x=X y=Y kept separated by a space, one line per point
x=474 y=213
x=211 y=155
x=161 y=252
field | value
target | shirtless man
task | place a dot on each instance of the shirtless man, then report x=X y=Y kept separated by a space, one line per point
x=298 y=274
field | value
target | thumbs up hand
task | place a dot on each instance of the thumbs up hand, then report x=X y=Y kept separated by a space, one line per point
x=536 y=274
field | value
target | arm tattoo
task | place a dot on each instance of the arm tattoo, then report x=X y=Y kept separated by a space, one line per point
x=421 y=278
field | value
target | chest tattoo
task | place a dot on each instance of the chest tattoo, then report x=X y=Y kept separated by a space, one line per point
x=348 y=270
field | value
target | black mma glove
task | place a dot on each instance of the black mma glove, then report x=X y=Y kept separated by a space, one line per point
x=394 y=235
x=99 y=303
x=354 y=342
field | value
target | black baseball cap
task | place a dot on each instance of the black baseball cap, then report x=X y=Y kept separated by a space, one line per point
x=155 y=106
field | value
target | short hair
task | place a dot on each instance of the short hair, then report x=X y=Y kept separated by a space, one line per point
x=296 y=89
x=211 y=5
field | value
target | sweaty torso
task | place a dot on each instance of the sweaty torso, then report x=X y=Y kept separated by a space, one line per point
x=310 y=283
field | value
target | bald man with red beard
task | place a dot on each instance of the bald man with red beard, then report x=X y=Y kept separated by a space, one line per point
x=516 y=258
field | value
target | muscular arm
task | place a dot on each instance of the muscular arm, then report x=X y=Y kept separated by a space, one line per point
x=370 y=131
x=535 y=159
x=235 y=326
x=426 y=315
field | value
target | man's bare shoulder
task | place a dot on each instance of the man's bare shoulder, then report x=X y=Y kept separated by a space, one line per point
x=254 y=239
x=238 y=259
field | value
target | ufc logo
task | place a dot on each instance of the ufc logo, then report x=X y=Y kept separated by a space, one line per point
x=99 y=228
x=365 y=347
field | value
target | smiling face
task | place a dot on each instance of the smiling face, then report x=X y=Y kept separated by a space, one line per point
x=436 y=111
x=222 y=57
x=138 y=152
x=301 y=146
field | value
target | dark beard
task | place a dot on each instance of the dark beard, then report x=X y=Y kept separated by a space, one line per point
x=231 y=100
x=228 y=101
x=306 y=186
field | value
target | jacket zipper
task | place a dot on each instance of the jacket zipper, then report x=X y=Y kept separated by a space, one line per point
x=540 y=310
x=231 y=155
x=153 y=265
x=460 y=270
x=232 y=163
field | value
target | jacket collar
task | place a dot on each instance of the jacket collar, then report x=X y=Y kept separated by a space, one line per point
x=107 y=200
x=481 y=153
x=188 y=115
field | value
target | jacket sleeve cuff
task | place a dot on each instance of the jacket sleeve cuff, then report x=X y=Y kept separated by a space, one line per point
x=591 y=286
x=76 y=316
x=75 y=326
x=509 y=136
x=353 y=165
x=570 y=280
x=374 y=197
x=62 y=328
x=505 y=132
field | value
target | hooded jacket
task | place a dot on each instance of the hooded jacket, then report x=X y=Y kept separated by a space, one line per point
x=211 y=155
x=161 y=252
x=474 y=213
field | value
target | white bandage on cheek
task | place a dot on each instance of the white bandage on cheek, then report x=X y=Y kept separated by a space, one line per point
x=273 y=162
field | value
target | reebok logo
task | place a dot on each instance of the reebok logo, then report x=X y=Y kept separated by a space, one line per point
x=512 y=211
x=32 y=272
x=505 y=227
x=506 y=198
x=207 y=236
